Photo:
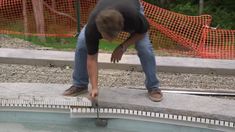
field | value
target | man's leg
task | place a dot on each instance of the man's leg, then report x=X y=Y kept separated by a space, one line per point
x=148 y=62
x=147 y=59
x=80 y=75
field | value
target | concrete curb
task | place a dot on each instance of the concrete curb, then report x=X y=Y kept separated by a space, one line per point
x=128 y=62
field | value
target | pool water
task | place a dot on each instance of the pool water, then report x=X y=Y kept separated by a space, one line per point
x=61 y=122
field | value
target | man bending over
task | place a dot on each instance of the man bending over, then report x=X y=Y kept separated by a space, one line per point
x=106 y=21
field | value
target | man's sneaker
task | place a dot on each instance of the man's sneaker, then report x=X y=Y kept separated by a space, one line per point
x=74 y=91
x=155 y=95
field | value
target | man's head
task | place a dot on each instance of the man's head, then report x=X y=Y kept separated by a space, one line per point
x=109 y=23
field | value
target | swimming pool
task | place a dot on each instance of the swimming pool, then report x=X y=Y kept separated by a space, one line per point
x=61 y=122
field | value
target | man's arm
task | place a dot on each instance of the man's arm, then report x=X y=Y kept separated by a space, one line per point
x=118 y=52
x=92 y=67
x=133 y=39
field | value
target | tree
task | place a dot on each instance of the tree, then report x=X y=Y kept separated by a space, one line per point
x=201 y=6
x=54 y=8
x=39 y=18
x=25 y=17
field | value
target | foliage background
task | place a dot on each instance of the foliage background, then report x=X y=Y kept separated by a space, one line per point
x=222 y=11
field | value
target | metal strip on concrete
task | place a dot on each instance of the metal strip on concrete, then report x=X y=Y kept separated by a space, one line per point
x=128 y=62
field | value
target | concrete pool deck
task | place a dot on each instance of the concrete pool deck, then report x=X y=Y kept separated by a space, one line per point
x=123 y=98
x=128 y=62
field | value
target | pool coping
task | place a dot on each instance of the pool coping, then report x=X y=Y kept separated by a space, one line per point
x=119 y=103
x=128 y=62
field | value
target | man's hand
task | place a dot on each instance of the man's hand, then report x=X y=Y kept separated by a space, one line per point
x=117 y=53
x=93 y=94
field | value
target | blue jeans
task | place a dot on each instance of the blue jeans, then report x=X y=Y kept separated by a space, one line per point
x=145 y=54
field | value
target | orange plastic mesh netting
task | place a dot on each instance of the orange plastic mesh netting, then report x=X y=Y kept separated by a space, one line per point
x=170 y=32
x=38 y=17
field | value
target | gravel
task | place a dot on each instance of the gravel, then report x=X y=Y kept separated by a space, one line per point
x=107 y=78
x=8 y=42
x=114 y=78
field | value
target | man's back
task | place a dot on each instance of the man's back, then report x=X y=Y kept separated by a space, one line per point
x=134 y=20
x=102 y=4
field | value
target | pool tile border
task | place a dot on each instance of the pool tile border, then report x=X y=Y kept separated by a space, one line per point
x=84 y=110
x=81 y=112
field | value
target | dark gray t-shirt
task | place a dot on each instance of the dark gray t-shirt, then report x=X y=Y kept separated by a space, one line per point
x=134 y=21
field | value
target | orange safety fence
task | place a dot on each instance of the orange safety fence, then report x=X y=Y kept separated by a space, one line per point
x=169 y=32
x=217 y=43
x=190 y=35
x=38 y=17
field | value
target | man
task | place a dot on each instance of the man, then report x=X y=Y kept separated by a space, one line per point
x=108 y=18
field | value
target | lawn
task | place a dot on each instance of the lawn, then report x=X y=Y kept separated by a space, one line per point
x=65 y=43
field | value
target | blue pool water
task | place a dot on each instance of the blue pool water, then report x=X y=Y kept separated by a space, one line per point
x=61 y=122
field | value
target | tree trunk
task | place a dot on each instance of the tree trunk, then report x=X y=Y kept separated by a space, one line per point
x=201 y=6
x=39 y=18
x=53 y=4
x=25 y=18
x=54 y=7
x=163 y=2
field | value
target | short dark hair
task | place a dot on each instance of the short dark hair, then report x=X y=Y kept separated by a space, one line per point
x=110 y=21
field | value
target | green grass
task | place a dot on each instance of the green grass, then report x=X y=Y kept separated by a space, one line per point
x=65 y=43
x=69 y=44
x=107 y=46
